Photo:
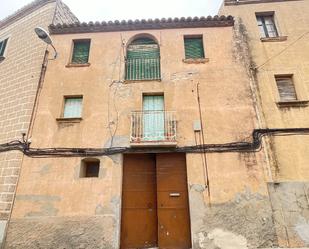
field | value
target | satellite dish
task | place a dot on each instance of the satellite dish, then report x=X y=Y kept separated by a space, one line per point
x=2 y=58
x=43 y=35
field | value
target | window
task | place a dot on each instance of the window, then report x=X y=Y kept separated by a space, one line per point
x=90 y=167
x=143 y=60
x=2 y=47
x=266 y=23
x=286 y=88
x=194 y=48
x=80 y=51
x=72 y=107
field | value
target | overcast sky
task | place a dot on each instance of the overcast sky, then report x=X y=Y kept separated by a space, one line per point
x=104 y=10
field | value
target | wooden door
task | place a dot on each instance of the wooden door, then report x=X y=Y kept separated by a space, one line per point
x=139 y=202
x=172 y=197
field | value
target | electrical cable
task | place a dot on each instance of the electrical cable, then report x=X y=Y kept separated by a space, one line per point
x=283 y=50
x=234 y=147
x=203 y=140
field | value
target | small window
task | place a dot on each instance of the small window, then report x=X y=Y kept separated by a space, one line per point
x=267 y=26
x=72 y=107
x=2 y=47
x=90 y=167
x=286 y=88
x=80 y=51
x=194 y=48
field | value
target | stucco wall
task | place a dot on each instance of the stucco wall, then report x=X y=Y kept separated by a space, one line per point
x=289 y=155
x=58 y=199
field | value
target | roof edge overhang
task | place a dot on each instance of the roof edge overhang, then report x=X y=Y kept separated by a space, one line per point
x=241 y=2
x=24 y=11
x=169 y=23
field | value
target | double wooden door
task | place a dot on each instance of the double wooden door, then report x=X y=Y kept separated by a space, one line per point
x=155 y=211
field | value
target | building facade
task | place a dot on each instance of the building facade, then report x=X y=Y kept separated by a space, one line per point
x=145 y=136
x=21 y=57
x=276 y=34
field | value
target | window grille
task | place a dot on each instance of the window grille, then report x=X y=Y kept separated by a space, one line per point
x=143 y=60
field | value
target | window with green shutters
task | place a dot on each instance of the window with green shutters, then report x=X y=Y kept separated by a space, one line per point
x=3 y=46
x=80 y=51
x=194 y=48
x=143 y=60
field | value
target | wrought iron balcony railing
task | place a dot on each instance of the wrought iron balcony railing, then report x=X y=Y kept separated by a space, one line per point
x=143 y=69
x=153 y=126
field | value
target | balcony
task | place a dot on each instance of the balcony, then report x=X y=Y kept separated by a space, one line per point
x=153 y=128
x=143 y=69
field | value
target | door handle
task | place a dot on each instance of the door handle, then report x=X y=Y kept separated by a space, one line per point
x=174 y=194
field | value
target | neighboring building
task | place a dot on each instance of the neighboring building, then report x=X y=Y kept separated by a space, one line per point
x=21 y=58
x=275 y=32
x=119 y=115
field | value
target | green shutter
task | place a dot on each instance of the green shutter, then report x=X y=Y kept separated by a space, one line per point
x=81 y=52
x=3 y=46
x=143 y=60
x=194 y=48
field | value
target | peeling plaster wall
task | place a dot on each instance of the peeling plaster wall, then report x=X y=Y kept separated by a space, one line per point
x=238 y=214
x=290 y=203
x=62 y=210
x=237 y=183
x=289 y=155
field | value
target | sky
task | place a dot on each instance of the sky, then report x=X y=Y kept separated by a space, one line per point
x=105 y=10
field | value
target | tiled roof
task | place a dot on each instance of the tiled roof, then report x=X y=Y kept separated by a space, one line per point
x=24 y=11
x=164 y=23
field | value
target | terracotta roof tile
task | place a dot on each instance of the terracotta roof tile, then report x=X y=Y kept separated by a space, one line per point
x=164 y=23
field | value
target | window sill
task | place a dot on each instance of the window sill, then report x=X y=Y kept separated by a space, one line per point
x=274 y=39
x=142 y=80
x=295 y=103
x=78 y=65
x=196 y=61
x=69 y=120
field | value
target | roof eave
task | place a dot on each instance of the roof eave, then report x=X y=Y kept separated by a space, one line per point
x=176 y=23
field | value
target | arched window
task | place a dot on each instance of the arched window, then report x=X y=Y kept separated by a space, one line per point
x=143 y=60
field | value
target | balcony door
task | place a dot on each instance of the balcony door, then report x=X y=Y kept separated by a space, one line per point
x=153 y=117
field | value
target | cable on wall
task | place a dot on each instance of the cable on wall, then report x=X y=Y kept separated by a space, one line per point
x=233 y=147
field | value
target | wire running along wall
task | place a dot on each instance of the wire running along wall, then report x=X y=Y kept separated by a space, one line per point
x=240 y=146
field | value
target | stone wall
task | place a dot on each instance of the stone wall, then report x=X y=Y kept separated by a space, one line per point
x=19 y=78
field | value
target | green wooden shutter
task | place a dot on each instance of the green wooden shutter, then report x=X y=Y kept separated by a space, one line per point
x=3 y=46
x=194 y=48
x=81 y=52
x=143 y=60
